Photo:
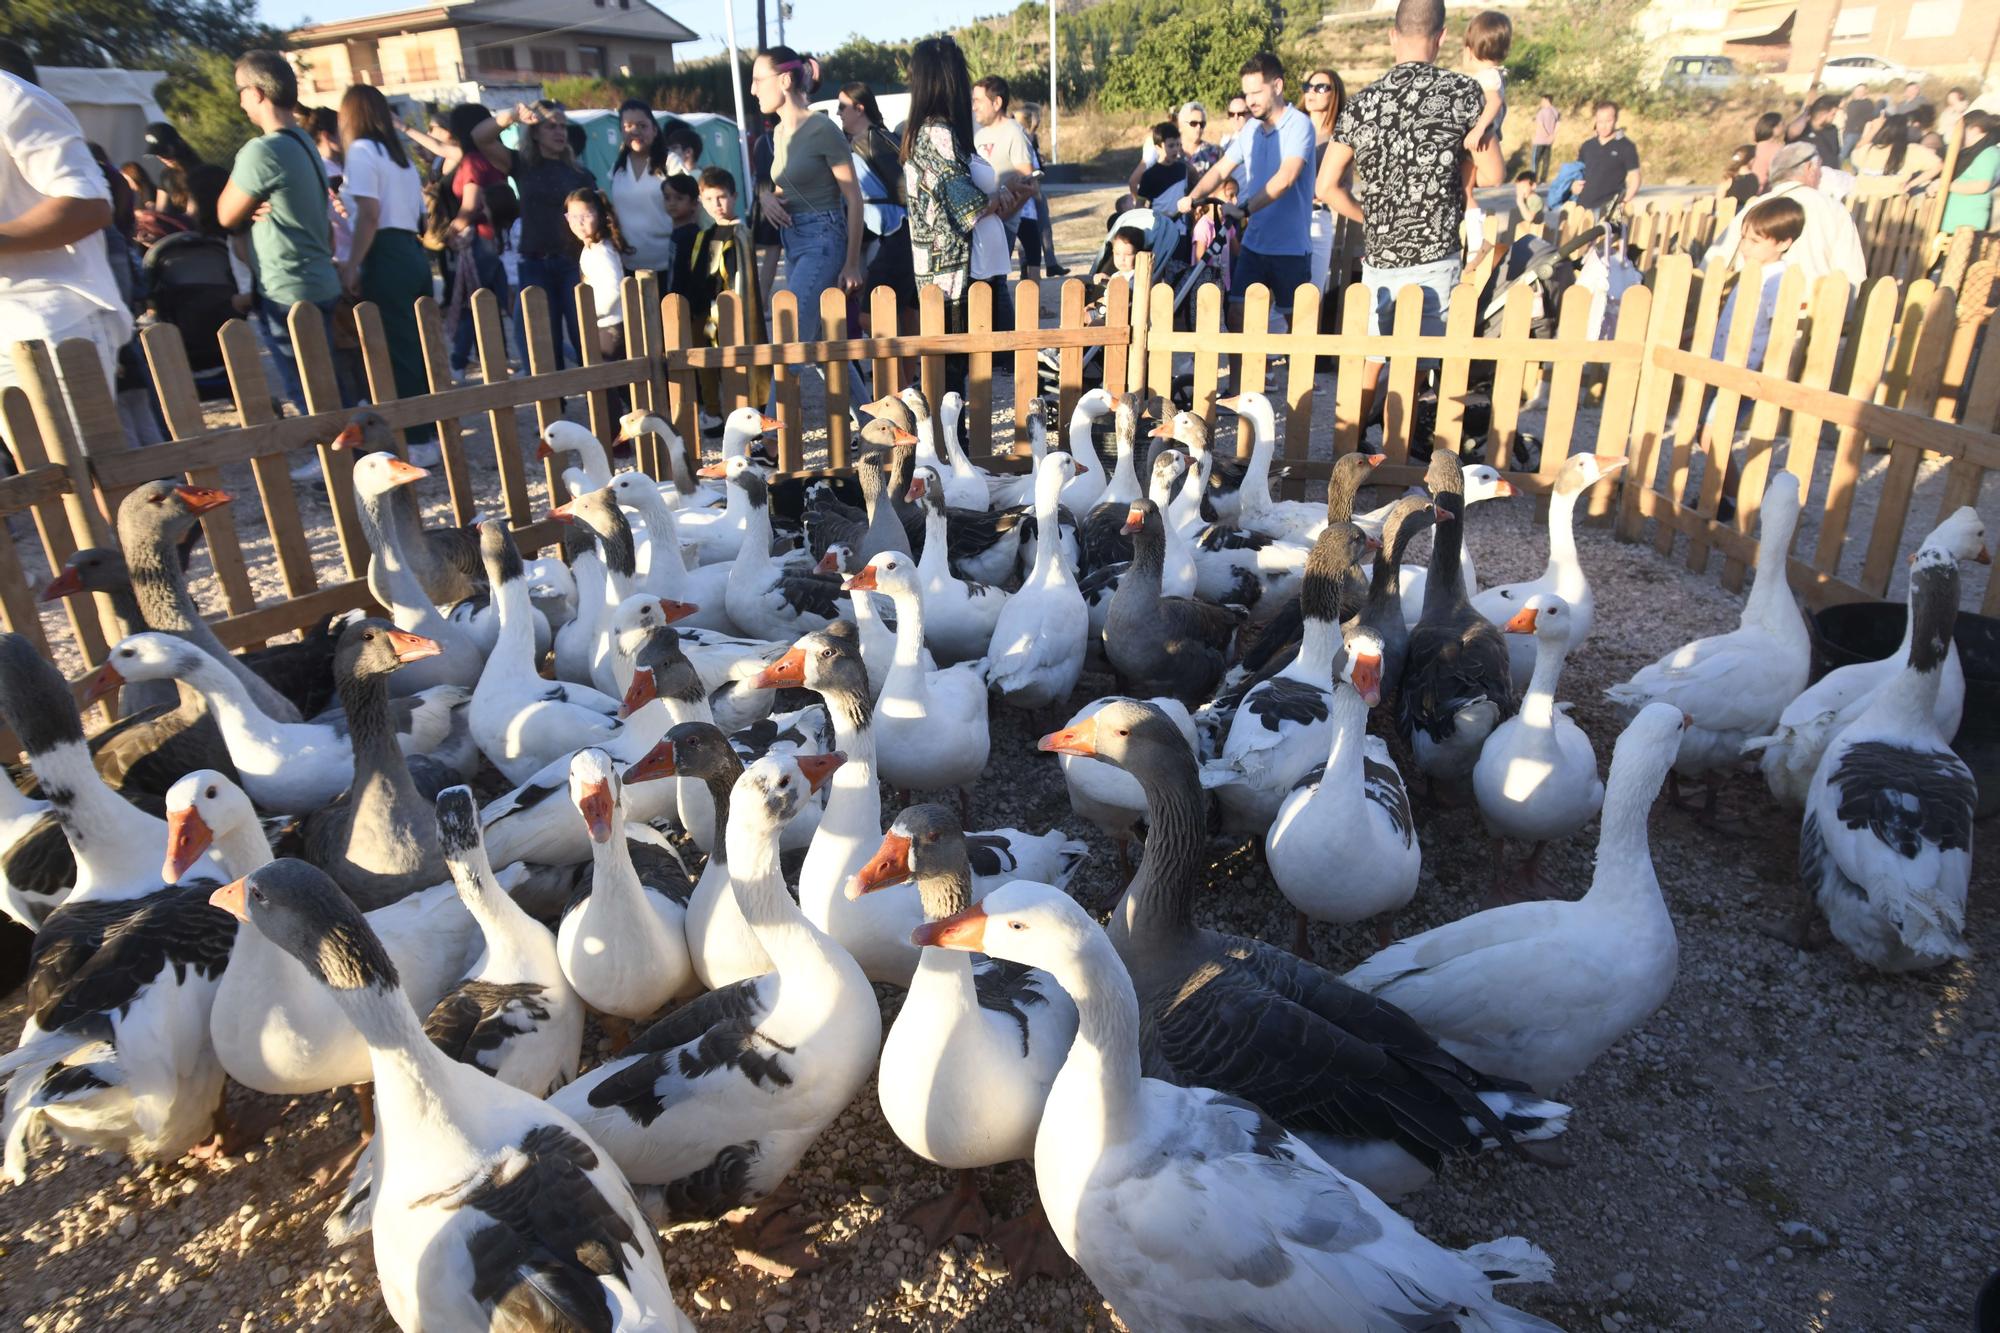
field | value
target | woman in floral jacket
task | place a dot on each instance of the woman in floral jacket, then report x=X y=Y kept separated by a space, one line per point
x=944 y=204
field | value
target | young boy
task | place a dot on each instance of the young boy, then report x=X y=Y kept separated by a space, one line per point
x=683 y=196
x=1126 y=243
x=1487 y=39
x=722 y=263
x=1527 y=199
x=1769 y=230
x=1162 y=184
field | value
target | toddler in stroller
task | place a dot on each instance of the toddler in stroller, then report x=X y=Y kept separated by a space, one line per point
x=1133 y=232
x=191 y=286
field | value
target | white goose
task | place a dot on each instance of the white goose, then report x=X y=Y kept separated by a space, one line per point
x=1106 y=794
x=36 y=865
x=964 y=487
x=1812 y=721
x=587 y=466
x=717 y=534
x=682 y=491
x=1038 y=644
x=1734 y=686
x=728 y=1091
x=961 y=614
x=1232 y=565
x=873 y=623
x=662 y=565
x=968 y=1062
x=292 y=768
x=1287 y=520
x=1011 y=489
x=495 y=1211
x=521 y=722
x=1564 y=576
x=394 y=580
x=1191 y=1210
x=766 y=597
x=931 y=724
x=1082 y=490
x=515 y=1015
x=1886 y=847
x=576 y=639
x=1536 y=991
x=1355 y=802
x=1536 y=777
x=623 y=944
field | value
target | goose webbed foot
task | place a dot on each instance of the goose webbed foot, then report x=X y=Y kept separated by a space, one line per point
x=959 y=1211
x=1384 y=932
x=236 y=1132
x=777 y=1237
x=1030 y=1247
x=329 y=1168
x=617 y=1031
x=1523 y=883
x=1300 y=944
x=1805 y=930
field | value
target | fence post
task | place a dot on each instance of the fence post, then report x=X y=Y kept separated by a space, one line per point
x=1159 y=361
x=451 y=443
x=1655 y=391
x=1069 y=361
x=931 y=324
x=677 y=333
x=1142 y=324
x=539 y=335
x=1510 y=368
x=1207 y=363
x=1461 y=324
x=1027 y=365
x=1763 y=428
x=1117 y=357
x=1300 y=368
x=1900 y=480
x=978 y=372
x=58 y=535
x=833 y=328
x=1687 y=426
x=336 y=466
x=376 y=364
x=242 y=357
x=1826 y=321
x=590 y=353
x=1252 y=365
x=1565 y=393
x=785 y=381
x=882 y=324
x=166 y=355
x=503 y=422
x=1869 y=351
x=1621 y=386
x=1982 y=412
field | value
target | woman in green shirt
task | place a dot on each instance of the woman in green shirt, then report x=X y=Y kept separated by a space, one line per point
x=1970 y=200
x=812 y=197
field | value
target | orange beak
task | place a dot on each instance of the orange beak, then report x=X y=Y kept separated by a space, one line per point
x=188 y=836
x=1163 y=431
x=349 y=437
x=787 y=673
x=642 y=691
x=966 y=931
x=402 y=472
x=657 y=762
x=595 y=807
x=1523 y=621
x=1230 y=402
x=819 y=767
x=1080 y=739
x=897 y=435
x=230 y=899
x=713 y=471
x=1439 y=514
x=1081 y=467
x=916 y=491
x=1687 y=720
x=1985 y=557
x=66 y=584
x=768 y=423
x=1135 y=519
x=674 y=610
x=1504 y=488
x=1610 y=463
x=543 y=453
x=864 y=581
x=889 y=865
x=1368 y=678
x=201 y=499
x=413 y=647
x=828 y=564
x=1376 y=460
x=104 y=682
x=562 y=513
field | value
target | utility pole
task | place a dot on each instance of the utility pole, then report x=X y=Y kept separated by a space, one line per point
x=763 y=33
x=1053 y=113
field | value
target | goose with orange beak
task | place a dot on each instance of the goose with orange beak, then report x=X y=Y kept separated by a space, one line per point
x=1254 y=1021
x=1039 y=641
x=1175 y=646
x=623 y=941
x=1232 y=565
x=960 y=612
x=1536 y=779
x=580 y=453
x=393 y=580
x=444 y=559
x=766 y=597
x=731 y=1089
x=1480 y=483
x=1263 y=1232
x=1564 y=576
x=968 y=1062
x=873 y=617
x=717 y=534
x=662 y=563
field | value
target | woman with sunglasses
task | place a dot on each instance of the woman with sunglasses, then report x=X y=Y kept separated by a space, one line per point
x=545 y=172
x=1324 y=95
x=1199 y=151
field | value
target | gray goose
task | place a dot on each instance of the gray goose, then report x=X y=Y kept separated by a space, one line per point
x=445 y=560
x=1354 y=1076
x=379 y=840
x=1176 y=646
x=1382 y=616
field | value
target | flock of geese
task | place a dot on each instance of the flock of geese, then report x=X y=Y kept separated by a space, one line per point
x=411 y=856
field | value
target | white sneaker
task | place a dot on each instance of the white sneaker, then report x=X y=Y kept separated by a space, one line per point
x=308 y=473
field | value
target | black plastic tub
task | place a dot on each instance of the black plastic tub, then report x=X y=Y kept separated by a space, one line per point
x=1868 y=631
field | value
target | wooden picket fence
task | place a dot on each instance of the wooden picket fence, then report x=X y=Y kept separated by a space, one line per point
x=1891 y=368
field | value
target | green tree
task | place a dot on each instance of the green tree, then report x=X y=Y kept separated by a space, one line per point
x=199 y=97
x=132 y=33
x=1194 y=53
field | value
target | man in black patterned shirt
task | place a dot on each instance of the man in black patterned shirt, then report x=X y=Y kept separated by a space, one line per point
x=1405 y=136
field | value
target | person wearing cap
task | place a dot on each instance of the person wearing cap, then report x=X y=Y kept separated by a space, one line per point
x=1830 y=242
x=55 y=279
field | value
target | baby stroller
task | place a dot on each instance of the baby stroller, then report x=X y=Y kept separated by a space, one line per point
x=1167 y=242
x=1546 y=270
x=190 y=286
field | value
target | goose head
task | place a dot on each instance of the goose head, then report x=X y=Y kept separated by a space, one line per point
x=35 y=700
x=1360 y=667
x=148 y=656
x=660 y=670
x=365 y=432
x=1024 y=922
x=371 y=648
x=894 y=410
x=951 y=409
x=1125 y=414
x=498 y=553
x=1547 y=617
x=1483 y=483
x=1057 y=469
x=742 y=429
x=891 y=573
x=94 y=569
x=884 y=433
x=305 y=913
x=639 y=422
x=739 y=474
x=1407 y=517
x=1090 y=405
x=642 y=612
x=1038 y=427
x=819 y=661
x=1579 y=472
x=379 y=473
x=689 y=750
x=1350 y=474
x=567 y=437
x=1185 y=429
x=1779 y=510
x=839 y=558
x=926 y=842
x=1168 y=469
x=1143 y=516
x=1125 y=732
x=164 y=510
x=778 y=785
x=632 y=491
x=1963 y=534
x=459 y=835
x=1257 y=409
x=927 y=489
x=596 y=790
x=202 y=807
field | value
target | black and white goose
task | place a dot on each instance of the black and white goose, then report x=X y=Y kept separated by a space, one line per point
x=496 y=1211
x=37 y=869
x=1886 y=846
x=1352 y=1075
x=769 y=598
x=968 y=1062
x=716 y=1102
x=1458 y=682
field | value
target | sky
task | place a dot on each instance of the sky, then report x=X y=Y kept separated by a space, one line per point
x=816 y=26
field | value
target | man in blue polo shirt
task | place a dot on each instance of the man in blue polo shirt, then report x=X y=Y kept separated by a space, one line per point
x=1276 y=148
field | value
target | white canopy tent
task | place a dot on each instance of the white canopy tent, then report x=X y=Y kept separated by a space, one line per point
x=113 y=105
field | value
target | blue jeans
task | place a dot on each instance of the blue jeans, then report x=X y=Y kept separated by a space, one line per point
x=1437 y=279
x=815 y=249
x=557 y=275
x=1283 y=274
x=492 y=277
x=278 y=342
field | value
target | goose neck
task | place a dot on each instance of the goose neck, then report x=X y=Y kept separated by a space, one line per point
x=1565 y=570
x=241 y=721
x=1100 y=1076
x=158 y=586
x=1081 y=446
x=798 y=952
x=909 y=658
x=240 y=849
x=414 y=1080
x=663 y=534
x=935 y=563
x=515 y=645
x=946 y=892
x=1256 y=489
x=1538 y=704
x=1624 y=853
x=1319 y=644
x=117 y=846
x=1348 y=719
x=1160 y=898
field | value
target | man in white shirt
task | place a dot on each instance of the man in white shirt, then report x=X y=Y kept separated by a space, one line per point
x=55 y=282
x=1830 y=242
x=1002 y=142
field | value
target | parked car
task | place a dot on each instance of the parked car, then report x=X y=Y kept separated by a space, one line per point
x=1701 y=74
x=1845 y=72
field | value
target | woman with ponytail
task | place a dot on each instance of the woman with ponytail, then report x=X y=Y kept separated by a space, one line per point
x=812 y=196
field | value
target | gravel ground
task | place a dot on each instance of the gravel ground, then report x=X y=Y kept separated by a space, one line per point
x=1791 y=1142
